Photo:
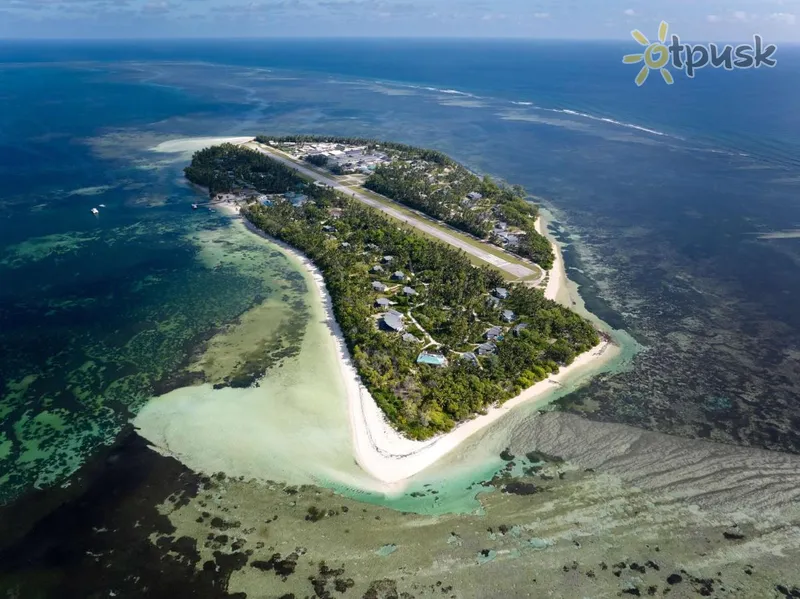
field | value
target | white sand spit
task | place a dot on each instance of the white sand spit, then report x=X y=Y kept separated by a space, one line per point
x=297 y=430
x=189 y=145
x=557 y=281
x=392 y=458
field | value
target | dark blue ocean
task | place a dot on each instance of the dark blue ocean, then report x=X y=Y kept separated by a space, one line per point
x=679 y=207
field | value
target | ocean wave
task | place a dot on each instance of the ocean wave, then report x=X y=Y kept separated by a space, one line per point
x=567 y=111
x=609 y=121
x=637 y=127
x=454 y=92
x=437 y=90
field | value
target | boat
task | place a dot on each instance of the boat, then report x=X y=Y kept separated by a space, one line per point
x=95 y=211
x=101 y=205
x=194 y=206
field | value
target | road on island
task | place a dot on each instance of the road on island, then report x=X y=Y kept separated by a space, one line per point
x=518 y=270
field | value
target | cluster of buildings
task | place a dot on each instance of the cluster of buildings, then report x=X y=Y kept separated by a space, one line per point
x=471 y=199
x=393 y=321
x=295 y=198
x=349 y=159
x=505 y=236
x=248 y=195
x=497 y=333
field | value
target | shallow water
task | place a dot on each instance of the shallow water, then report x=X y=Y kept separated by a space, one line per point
x=677 y=216
x=294 y=426
x=100 y=313
x=291 y=427
x=660 y=251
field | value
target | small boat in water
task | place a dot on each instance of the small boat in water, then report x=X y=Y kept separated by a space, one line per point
x=102 y=205
x=95 y=211
x=194 y=206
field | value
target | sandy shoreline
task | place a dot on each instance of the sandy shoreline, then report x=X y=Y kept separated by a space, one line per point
x=557 y=276
x=378 y=448
x=380 y=451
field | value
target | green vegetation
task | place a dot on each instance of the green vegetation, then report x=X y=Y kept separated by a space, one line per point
x=227 y=167
x=442 y=191
x=433 y=183
x=449 y=315
x=321 y=161
x=317 y=159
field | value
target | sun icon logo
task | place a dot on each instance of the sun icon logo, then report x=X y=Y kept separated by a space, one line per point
x=655 y=56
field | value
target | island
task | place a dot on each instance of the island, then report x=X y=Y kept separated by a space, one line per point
x=437 y=335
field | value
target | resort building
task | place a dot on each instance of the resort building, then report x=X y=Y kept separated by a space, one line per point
x=410 y=338
x=378 y=286
x=387 y=259
x=296 y=199
x=432 y=359
x=391 y=322
x=500 y=293
x=470 y=357
x=409 y=291
x=508 y=316
x=508 y=238
x=494 y=333
x=487 y=349
x=382 y=302
x=377 y=268
x=399 y=276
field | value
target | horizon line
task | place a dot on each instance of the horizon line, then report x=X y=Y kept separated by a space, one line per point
x=357 y=38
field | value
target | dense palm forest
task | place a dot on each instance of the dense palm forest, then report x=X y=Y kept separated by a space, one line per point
x=227 y=167
x=449 y=313
x=441 y=194
x=443 y=198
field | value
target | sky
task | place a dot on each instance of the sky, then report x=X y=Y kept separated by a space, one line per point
x=697 y=20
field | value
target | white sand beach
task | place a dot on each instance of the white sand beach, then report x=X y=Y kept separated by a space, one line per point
x=231 y=209
x=306 y=424
x=556 y=288
x=388 y=456
x=392 y=458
